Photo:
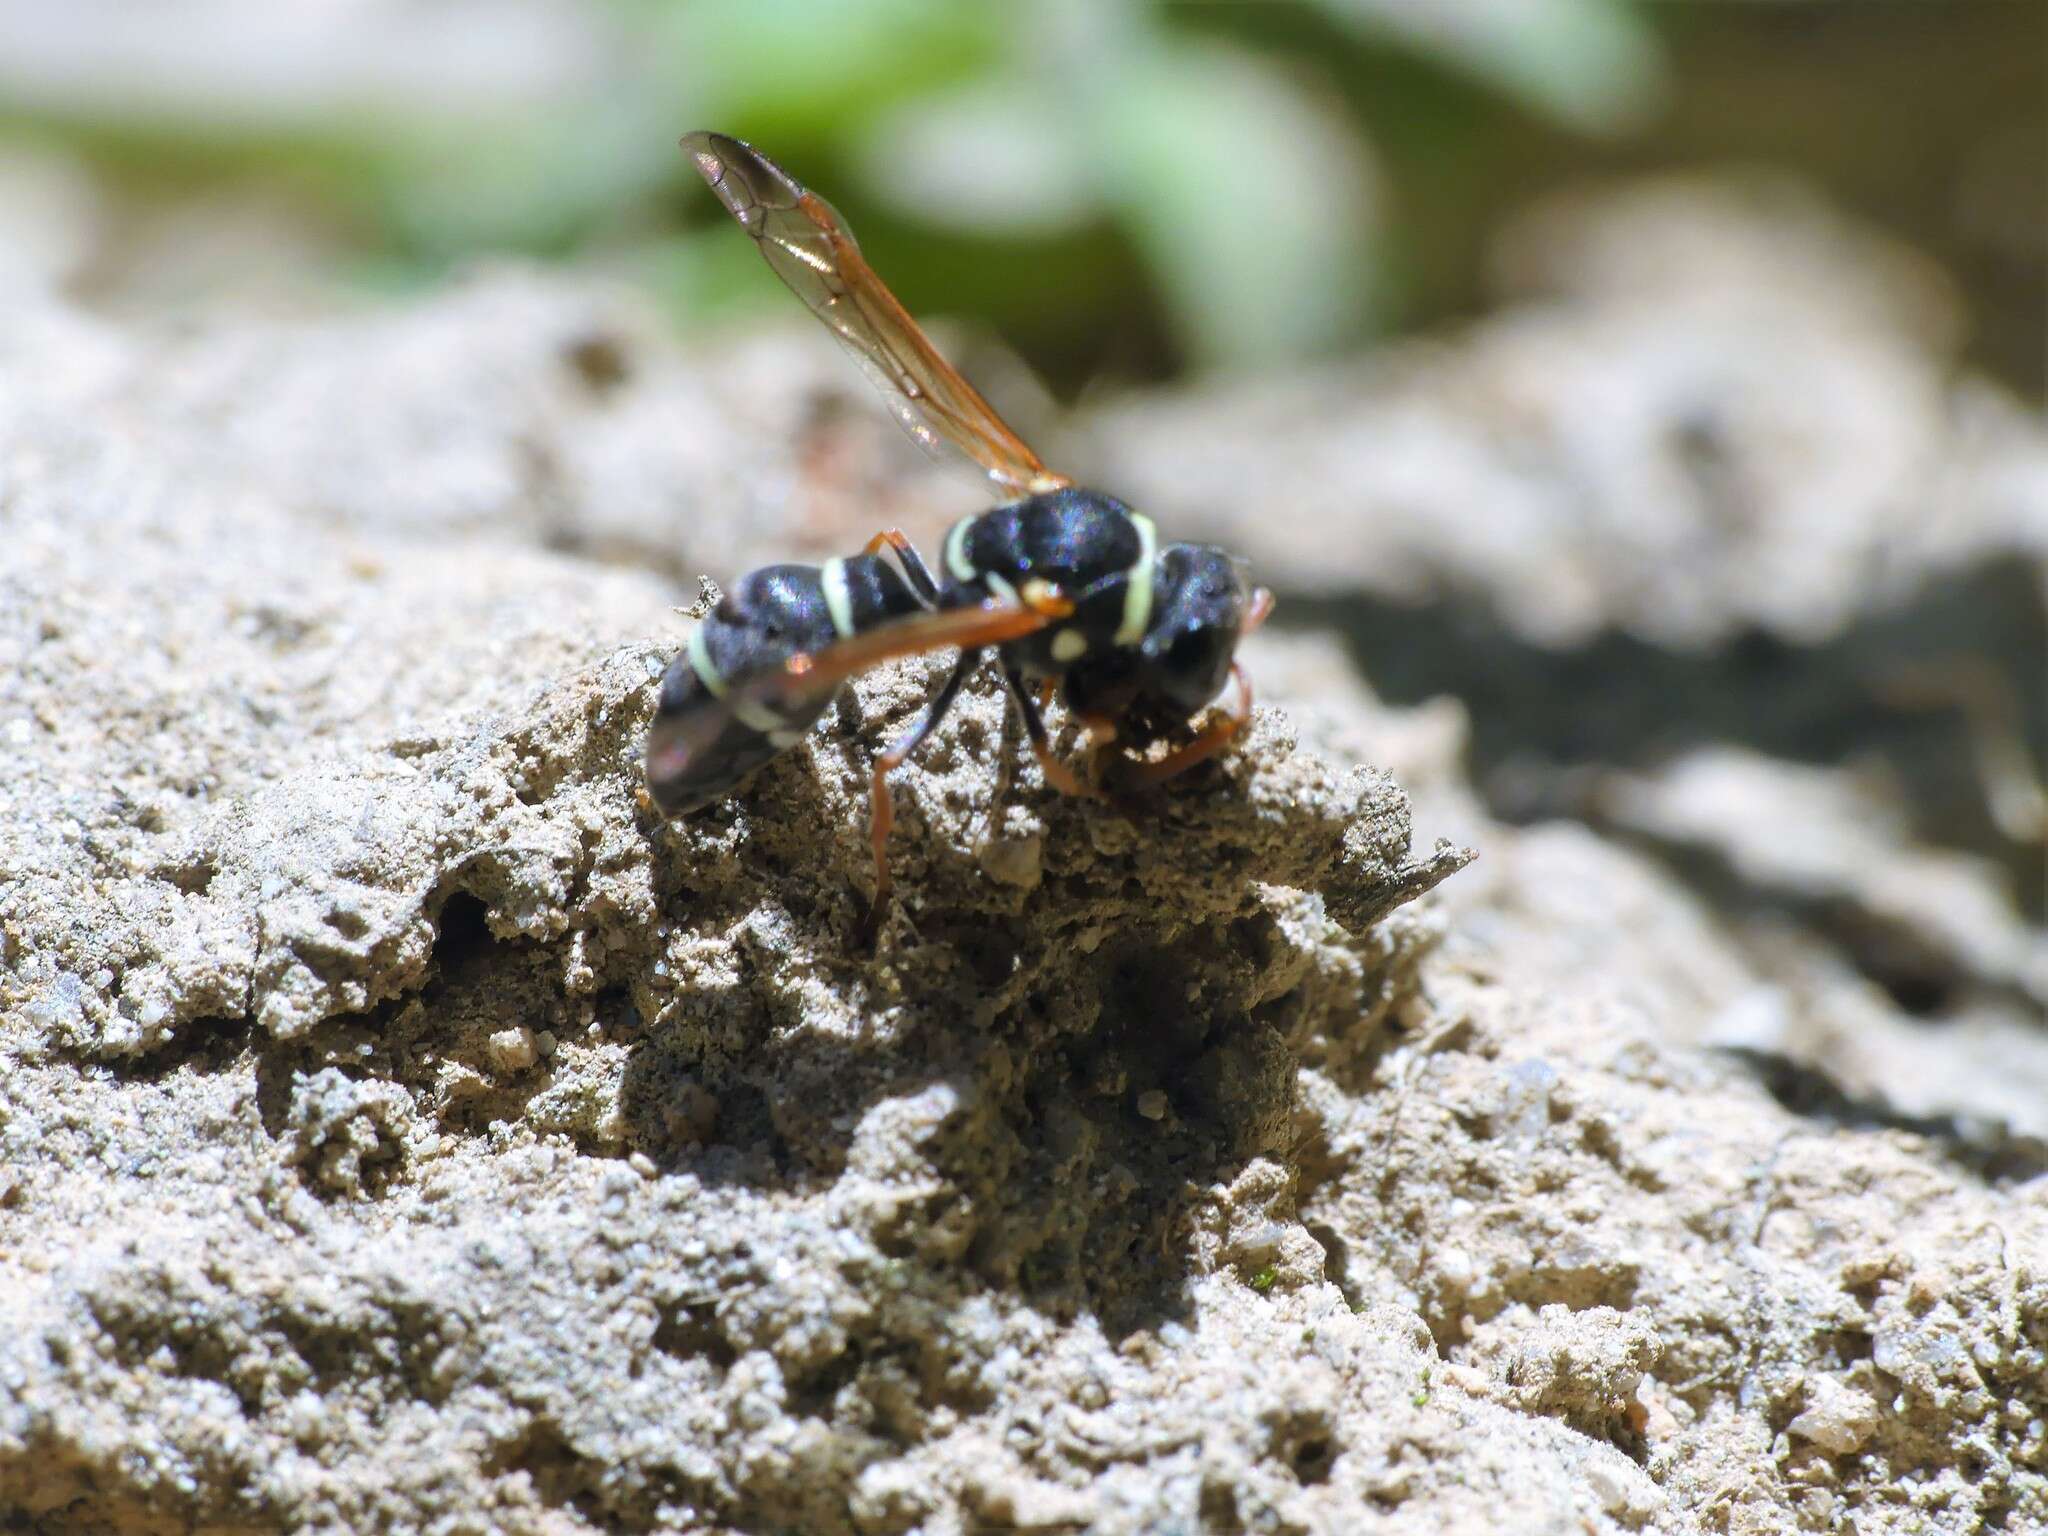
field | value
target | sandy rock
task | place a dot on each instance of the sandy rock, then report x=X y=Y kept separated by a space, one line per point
x=1704 y=543
x=1837 y=1418
x=1820 y=840
x=1723 y=409
x=341 y=1126
x=402 y=1130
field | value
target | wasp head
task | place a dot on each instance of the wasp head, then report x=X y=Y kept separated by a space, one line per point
x=1202 y=605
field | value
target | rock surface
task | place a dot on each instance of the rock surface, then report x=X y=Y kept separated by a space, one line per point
x=401 y=1130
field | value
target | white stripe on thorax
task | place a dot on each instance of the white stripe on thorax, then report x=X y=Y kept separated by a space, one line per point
x=1138 y=583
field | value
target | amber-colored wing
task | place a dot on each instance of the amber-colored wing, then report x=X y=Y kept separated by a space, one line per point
x=995 y=622
x=813 y=251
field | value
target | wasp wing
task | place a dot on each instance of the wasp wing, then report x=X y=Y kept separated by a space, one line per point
x=813 y=252
x=995 y=622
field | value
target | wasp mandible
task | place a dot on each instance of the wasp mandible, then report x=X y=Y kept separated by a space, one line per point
x=1070 y=588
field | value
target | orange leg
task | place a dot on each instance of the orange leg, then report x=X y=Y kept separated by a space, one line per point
x=881 y=820
x=913 y=563
x=1261 y=608
x=893 y=538
x=1060 y=776
x=1206 y=745
x=1099 y=733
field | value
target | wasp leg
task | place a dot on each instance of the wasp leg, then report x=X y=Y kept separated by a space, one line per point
x=1099 y=736
x=913 y=563
x=1261 y=610
x=882 y=807
x=1057 y=773
x=1204 y=746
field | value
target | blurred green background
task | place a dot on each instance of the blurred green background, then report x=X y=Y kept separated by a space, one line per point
x=1125 y=189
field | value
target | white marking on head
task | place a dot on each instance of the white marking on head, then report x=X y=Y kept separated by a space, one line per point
x=838 y=596
x=1138 y=583
x=997 y=583
x=1069 y=645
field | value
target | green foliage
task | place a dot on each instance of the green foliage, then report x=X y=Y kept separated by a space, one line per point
x=1131 y=182
x=1588 y=64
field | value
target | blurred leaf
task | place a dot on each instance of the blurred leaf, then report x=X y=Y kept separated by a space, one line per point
x=540 y=183
x=987 y=157
x=709 y=280
x=1254 y=205
x=797 y=70
x=1119 y=187
x=1591 y=64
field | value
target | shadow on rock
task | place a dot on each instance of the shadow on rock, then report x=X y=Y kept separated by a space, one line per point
x=1056 y=1149
x=1036 y=1082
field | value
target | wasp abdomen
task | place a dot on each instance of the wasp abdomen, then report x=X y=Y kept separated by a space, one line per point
x=711 y=729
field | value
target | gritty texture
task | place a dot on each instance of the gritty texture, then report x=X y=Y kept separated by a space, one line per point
x=401 y=1129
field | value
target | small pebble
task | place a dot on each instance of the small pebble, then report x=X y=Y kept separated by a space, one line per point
x=514 y=1050
x=1607 y=1485
x=1017 y=861
x=1152 y=1104
x=1838 y=1418
x=1455 y=1269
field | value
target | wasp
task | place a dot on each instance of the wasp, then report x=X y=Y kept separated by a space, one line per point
x=1069 y=588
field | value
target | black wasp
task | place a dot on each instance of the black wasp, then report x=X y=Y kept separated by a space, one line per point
x=1069 y=587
